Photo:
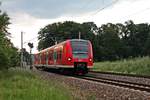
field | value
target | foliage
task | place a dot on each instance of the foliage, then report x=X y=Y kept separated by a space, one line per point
x=130 y=66
x=26 y=56
x=110 y=41
x=8 y=53
x=24 y=85
x=3 y=59
x=63 y=31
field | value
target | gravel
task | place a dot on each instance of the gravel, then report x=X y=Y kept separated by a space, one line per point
x=88 y=90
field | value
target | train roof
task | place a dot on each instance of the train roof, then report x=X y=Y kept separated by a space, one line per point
x=77 y=40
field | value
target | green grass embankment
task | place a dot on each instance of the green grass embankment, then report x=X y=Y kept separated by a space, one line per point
x=139 y=66
x=23 y=85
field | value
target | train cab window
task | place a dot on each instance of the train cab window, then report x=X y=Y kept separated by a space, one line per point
x=80 y=49
x=37 y=58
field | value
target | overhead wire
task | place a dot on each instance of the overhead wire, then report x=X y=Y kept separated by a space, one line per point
x=87 y=4
x=133 y=14
x=141 y=11
x=101 y=9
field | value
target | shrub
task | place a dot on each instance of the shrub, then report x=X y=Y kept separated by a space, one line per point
x=3 y=59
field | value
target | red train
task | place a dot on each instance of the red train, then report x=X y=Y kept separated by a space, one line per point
x=75 y=55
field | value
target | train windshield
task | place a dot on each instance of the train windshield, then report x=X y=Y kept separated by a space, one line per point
x=79 y=49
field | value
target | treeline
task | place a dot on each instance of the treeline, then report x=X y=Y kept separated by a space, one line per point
x=9 y=56
x=110 y=41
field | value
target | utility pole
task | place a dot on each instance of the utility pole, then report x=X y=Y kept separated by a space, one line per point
x=0 y=3
x=21 y=63
x=79 y=35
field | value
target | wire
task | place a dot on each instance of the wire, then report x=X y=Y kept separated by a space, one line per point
x=98 y=9
x=87 y=4
x=101 y=9
x=141 y=11
x=133 y=14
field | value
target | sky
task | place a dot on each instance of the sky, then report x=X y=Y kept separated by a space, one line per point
x=29 y=16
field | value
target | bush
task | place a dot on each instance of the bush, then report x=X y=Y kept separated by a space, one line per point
x=3 y=59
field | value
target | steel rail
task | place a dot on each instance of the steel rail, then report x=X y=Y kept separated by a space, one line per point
x=120 y=84
x=123 y=74
x=130 y=85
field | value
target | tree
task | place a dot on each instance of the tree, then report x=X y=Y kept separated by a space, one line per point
x=4 y=22
x=137 y=35
x=3 y=59
x=110 y=43
x=147 y=45
x=8 y=52
x=62 y=31
x=3 y=40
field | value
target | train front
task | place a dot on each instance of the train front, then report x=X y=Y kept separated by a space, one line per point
x=81 y=55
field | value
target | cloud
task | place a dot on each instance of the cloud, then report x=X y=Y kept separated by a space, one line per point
x=30 y=16
x=125 y=10
x=54 y=8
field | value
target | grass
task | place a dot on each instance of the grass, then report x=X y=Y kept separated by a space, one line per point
x=23 y=85
x=139 y=66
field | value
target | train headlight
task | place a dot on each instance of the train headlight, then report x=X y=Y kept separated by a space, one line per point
x=90 y=59
x=69 y=59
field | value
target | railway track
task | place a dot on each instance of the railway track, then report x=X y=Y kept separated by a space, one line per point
x=121 y=74
x=102 y=77
x=96 y=76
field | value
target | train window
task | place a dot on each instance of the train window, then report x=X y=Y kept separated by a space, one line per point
x=40 y=56
x=59 y=54
x=55 y=55
x=45 y=56
x=50 y=55
x=35 y=58
x=79 y=49
x=42 y=60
